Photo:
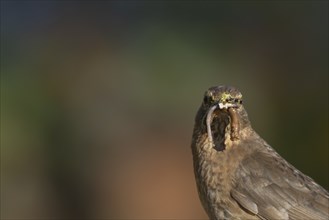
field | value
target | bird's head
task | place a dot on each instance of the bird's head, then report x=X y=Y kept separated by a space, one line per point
x=224 y=97
x=222 y=109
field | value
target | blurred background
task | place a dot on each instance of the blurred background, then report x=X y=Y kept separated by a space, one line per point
x=98 y=99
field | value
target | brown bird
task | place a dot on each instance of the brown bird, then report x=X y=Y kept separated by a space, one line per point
x=240 y=176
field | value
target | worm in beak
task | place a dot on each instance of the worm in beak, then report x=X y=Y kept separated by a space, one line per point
x=235 y=130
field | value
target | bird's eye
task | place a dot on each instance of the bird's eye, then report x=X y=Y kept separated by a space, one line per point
x=240 y=101
x=229 y=100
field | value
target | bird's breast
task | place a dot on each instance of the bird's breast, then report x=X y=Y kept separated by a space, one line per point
x=214 y=172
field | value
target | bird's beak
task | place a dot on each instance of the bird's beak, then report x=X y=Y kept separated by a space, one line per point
x=227 y=105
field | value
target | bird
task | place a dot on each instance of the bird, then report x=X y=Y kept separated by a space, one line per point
x=239 y=175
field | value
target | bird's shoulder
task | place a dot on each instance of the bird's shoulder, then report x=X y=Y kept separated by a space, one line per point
x=268 y=186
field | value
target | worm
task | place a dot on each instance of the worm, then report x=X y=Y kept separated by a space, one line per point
x=208 y=121
x=234 y=124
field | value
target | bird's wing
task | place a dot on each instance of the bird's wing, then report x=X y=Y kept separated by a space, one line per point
x=269 y=187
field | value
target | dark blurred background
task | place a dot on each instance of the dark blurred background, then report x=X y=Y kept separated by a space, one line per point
x=98 y=98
